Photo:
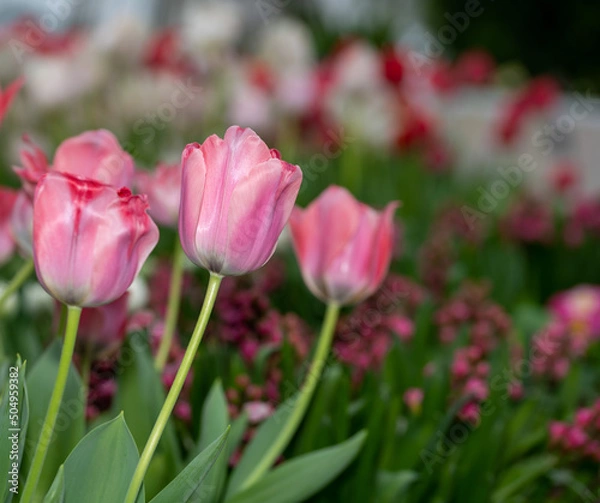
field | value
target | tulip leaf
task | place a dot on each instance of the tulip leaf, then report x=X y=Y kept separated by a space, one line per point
x=14 y=394
x=192 y=485
x=215 y=420
x=391 y=485
x=140 y=396
x=238 y=428
x=522 y=475
x=300 y=478
x=56 y=493
x=70 y=423
x=261 y=441
x=100 y=468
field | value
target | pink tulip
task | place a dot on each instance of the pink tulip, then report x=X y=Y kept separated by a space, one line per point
x=344 y=247
x=163 y=188
x=236 y=197
x=8 y=95
x=8 y=198
x=21 y=222
x=105 y=325
x=89 y=240
x=95 y=155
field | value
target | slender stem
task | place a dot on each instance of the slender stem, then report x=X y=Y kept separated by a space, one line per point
x=17 y=282
x=62 y=321
x=172 y=308
x=173 y=395
x=47 y=431
x=303 y=400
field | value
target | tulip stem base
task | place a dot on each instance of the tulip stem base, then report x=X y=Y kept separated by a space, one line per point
x=47 y=431
x=303 y=398
x=172 y=308
x=17 y=282
x=173 y=395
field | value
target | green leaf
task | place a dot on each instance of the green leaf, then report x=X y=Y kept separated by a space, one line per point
x=70 y=423
x=238 y=428
x=140 y=396
x=56 y=493
x=300 y=478
x=391 y=485
x=261 y=441
x=100 y=468
x=521 y=475
x=14 y=412
x=215 y=420
x=191 y=484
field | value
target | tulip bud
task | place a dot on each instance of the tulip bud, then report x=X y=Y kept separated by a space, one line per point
x=8 y=198
x=344 y=247
x=163 y=188
x=236 y=197
x=89 y=240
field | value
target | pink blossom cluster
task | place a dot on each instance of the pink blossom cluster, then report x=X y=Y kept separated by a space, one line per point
x=247 y=320
x=486 y=321
x=529 y=220
x=365 y=335
x=579 y=440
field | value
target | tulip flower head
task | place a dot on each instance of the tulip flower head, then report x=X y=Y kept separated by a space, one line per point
x=344 y=247
x=95 y=155
x=236 y=197
x=89 y=239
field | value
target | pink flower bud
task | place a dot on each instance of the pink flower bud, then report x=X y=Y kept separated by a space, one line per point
x=257 y=411
x=344 y=247
x=163 y=188
x=236 y=197
x=95 y=155
x=557 y=431
x=89 y=240
x=8 y=198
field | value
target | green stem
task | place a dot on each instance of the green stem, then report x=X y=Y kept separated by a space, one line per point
x=303 y=400
x=47 y=431
x=172 y=308
x=62 y=321
x=17 y=282
x=173 y=395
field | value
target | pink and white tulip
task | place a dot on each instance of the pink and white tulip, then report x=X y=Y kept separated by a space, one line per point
x=90 y=240
x=236 y=198
x=344 y=247
x=163 y=188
